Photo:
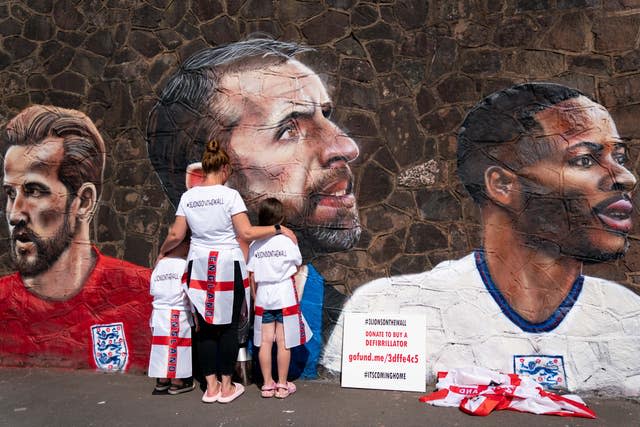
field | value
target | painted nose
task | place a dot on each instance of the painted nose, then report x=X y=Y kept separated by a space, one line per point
x=16 y=210
x=337 y=147
x=623 y=179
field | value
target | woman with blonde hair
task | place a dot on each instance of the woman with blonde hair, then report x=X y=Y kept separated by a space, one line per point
x=216 y=281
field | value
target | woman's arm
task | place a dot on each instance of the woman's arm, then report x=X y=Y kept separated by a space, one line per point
x=244 y=247
x=248 y=232
x=176 y=235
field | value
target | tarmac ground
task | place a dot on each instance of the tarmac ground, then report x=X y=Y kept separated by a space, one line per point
x=47 y=397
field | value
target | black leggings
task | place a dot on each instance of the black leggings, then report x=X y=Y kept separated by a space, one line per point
x=218 y=344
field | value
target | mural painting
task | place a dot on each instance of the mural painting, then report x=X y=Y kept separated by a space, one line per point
x=272 y=114
x=473 y=161
x=546 y=166
x=54 y=161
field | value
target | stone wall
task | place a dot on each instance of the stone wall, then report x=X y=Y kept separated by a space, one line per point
x=402 y=74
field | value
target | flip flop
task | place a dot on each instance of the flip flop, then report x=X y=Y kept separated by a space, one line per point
x=268 y=390
x=161 y=385
x=211 y=399
x=185 y=387
x=284 y=390
x=239 y=389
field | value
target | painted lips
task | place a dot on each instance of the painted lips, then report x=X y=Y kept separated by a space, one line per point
x=23 y=240
x=616 y=214
x=23 y=247
x=22 y=234
x=336 y=194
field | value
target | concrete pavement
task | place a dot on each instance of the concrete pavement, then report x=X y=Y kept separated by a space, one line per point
x=39 y=397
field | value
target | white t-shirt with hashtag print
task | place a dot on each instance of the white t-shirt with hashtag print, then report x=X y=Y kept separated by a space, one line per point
x=208 y=211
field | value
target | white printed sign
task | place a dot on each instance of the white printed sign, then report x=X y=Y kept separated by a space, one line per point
x=384 y=351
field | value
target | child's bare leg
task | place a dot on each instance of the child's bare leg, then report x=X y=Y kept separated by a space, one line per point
x=284 y=354
x=264 y=355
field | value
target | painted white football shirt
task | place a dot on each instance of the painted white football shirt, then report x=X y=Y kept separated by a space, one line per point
x=596 y=330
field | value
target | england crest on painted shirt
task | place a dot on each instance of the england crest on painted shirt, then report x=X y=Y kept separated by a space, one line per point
x=548 y=371
x=110 y=350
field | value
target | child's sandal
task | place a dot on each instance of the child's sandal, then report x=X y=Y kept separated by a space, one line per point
x=268 y=390
x=184 y=387
x=284 y=390
x=162 y=385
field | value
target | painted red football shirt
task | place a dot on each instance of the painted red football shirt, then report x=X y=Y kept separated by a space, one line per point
x=37 y=332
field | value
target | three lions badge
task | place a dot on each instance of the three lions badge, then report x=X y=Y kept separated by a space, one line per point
x=110 y=350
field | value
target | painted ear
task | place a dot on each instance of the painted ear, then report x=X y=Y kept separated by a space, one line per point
x=88 y=201
x=194 y=175
x=501 y=185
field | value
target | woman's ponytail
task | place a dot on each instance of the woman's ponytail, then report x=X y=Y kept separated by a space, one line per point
x=214 y=157
x=213 y=146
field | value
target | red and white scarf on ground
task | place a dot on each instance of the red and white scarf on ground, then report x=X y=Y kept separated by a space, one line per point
x=211 y=282
x=479 y=391
x=171 y=344
x=296 y=329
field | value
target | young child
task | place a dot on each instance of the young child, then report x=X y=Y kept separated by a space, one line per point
x=171 y=321
x=273 y=263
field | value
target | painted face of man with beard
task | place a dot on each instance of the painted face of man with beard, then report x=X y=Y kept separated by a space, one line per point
x=284 y=145
x=576 y=197
x=37 y=206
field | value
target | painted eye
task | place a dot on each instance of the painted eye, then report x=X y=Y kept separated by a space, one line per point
x=288 y=131
x=620 y=158
x=10 y=192
x=35 y=192
x=582 y=161
x=327 y=111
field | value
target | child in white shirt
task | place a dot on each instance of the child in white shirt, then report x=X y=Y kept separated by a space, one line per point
x=273 y=263
x=171 y=321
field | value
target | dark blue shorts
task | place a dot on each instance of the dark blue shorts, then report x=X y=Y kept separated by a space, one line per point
x=270 y=316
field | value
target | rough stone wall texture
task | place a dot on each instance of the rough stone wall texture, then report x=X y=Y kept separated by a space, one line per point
x=402 y=73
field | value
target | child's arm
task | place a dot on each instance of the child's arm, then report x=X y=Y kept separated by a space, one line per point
x=192 y=311
x=252 y=283
x=301 y=272
x=196 y=324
